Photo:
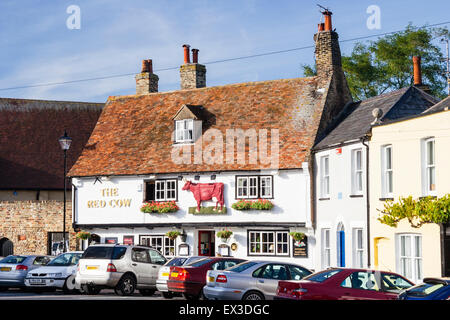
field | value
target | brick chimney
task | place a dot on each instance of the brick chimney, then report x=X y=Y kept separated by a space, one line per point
x=193 y=75
x=418 y=75
x=330 y=75
x=146 y=81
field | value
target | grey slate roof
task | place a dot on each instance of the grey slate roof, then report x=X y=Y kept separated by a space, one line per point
x=440 y=106
x=355 y=120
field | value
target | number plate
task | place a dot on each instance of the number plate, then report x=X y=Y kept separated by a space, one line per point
x=92 y=267
x=5 y=269
x=174 y=274
x=165 y=274
x=37 y=281
x=211 y=279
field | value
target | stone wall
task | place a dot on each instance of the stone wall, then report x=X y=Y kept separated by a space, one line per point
x=33 y=220
x=193 y=76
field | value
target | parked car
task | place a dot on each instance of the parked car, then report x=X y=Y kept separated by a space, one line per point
x=429 y=289
x=164 y=272
x=57 y=274
x=251 y=280
x=344 y=284
x=14 y=268
x=123 y=268
x=190 y=280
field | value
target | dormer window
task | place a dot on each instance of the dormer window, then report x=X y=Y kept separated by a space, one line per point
x=184 y=130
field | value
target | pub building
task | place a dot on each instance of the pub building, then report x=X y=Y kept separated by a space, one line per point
x=155 y=158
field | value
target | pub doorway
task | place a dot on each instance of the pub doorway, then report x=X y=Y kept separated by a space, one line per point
x=206 y=243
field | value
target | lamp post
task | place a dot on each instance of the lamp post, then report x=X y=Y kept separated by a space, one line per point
x=65 y=142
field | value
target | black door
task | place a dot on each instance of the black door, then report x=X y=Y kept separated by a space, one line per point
x=6 y=247
x=446 y=250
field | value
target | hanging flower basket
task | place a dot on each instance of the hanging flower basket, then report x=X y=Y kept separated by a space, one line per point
x=297 y=236
x=172 y=235
x=83 y=235
x=260 y=204
x=224 y=234
x=159 y=207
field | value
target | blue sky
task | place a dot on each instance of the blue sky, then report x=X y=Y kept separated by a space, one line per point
x=37 y=47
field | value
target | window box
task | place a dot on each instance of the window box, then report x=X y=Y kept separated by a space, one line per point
x=159 y=207
x=260 y=204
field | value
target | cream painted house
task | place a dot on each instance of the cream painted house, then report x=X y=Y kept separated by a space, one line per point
x=410 y=157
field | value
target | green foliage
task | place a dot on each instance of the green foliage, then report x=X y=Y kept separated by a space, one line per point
x=297 y=236
x=83 y=235
x=260 y=204
x=224 y=234
x=173 y=234
x=386 y=64
x=418 y=212
x=159 y=207
x=207 y=210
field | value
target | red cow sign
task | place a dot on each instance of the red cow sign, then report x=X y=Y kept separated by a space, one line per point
x=206 y=191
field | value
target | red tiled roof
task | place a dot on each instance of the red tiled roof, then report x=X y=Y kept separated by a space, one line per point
x=30 y=155
x=134 y=133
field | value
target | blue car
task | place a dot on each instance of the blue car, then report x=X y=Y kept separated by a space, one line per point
x=430 y=289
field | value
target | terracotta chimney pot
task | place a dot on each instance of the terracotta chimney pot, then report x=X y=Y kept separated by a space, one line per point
x=417 y=70
x=187 y=58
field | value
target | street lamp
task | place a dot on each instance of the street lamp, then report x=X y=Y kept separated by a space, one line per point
x=65 y=142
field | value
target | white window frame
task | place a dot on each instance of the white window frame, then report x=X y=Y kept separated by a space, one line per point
x=252 y=187
x=261 y=243
x=149 y=240
x=387 y=172
x=357 y=172
x=165 y=190
x=358 y=248
x=325 y=176
x=182 y=129
x=410 y=265
x=326 y=248
x=428 y=169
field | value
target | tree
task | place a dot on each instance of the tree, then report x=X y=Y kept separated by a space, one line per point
x=417 y=212
x=386 y=64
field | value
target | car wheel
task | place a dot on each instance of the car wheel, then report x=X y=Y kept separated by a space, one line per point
x=253 y=295
x=69 y=285
x=90 y=290
x=126 y=285
x=189 y=296
x=167 y=295
x=147 y=292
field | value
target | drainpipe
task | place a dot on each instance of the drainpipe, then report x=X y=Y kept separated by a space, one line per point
x=363 y=141
x=312 y=186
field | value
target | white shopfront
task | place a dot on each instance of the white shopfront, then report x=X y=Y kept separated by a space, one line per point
x=110 y=207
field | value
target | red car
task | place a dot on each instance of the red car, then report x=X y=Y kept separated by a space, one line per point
x=190 y=280
x=344 y=284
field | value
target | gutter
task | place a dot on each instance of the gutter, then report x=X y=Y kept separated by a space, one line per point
x=363 y=140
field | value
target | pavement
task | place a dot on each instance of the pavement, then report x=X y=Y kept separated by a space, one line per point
x=106 y=294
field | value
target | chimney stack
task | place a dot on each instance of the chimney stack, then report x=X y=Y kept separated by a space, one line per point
x=328 y=52
x=193 y=75
x=146 y=81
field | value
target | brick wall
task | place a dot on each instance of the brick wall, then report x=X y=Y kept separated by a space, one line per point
x=34 y=219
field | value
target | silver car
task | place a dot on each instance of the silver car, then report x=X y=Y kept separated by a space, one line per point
x=123 y=268
x=251 y=280
x=14 y=268
x=163 y=275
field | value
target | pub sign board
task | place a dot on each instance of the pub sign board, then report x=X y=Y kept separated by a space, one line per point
x=300 y=248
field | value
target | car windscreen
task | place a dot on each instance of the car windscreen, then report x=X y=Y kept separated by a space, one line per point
x=65 y=260
x=175 y=262
x=200 y=263
x=192 y=259
x=322 y=276
x=113 y=253
x=13 y=259
x=424 y=289
x=242 y=266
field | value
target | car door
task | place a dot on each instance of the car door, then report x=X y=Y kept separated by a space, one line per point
x=361 y=285
x=141 y=266
x=156 y=261
x=392 y=284
x=268 y=277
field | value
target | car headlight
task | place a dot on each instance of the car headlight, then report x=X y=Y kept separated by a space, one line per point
x=55 y=275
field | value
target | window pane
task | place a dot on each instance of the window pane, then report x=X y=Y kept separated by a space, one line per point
x=430 y=152
x=388 y=158
x=358 y=160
